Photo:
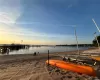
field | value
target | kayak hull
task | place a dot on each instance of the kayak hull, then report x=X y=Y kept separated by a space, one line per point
x=96 y=58
x=72 y=67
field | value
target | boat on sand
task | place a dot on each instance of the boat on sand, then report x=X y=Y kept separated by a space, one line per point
x=81 y=69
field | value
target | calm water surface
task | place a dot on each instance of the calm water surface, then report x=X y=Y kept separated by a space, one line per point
x=45 y=50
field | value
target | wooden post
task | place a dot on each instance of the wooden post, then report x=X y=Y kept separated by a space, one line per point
x=48 y=57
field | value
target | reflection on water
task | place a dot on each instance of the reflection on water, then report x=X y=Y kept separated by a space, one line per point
x=31 y=50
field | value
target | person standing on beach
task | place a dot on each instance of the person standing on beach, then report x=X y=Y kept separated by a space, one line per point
x=34 y=53
x=64 y=58
x=8 y=51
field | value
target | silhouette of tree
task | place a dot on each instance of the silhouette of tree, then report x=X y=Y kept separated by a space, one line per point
x=95 y=41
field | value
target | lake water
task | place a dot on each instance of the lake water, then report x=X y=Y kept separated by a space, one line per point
x=45 y=50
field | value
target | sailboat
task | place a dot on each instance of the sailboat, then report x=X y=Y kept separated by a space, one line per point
x=67 y=65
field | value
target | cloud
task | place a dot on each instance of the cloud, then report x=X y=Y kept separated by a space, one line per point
x=10 y=11
x=13 y=32
x=46 y=24
x=10 y=33
x=69 y=6
x=20 y=31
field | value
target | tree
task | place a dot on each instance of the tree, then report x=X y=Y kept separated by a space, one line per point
x=95 y=41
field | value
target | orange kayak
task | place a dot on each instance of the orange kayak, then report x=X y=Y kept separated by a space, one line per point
x=96 y=58
x=73 y=67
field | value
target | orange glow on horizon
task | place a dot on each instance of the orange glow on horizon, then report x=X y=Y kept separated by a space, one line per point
x=35 y=42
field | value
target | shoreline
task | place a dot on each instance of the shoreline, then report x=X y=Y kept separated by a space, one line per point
x=19 y=57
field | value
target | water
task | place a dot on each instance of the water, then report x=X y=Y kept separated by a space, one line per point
x=45 y=50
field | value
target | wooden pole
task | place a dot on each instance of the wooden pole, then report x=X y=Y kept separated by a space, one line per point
x=48 y=57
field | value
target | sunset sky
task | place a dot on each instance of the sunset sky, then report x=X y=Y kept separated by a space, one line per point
x=48 y=21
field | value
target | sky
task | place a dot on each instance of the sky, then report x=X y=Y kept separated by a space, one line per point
x=48 y=22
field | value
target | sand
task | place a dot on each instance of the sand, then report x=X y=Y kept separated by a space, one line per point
x=30 y=67
x=24 y=67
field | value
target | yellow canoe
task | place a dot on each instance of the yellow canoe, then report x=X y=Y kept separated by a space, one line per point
x=72 y=67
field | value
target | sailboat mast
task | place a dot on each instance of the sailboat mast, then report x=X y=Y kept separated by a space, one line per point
x=95 y=32
x=96 y=25
x=77 y=42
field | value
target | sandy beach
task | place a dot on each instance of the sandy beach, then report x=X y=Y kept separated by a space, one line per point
x=30 y=67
